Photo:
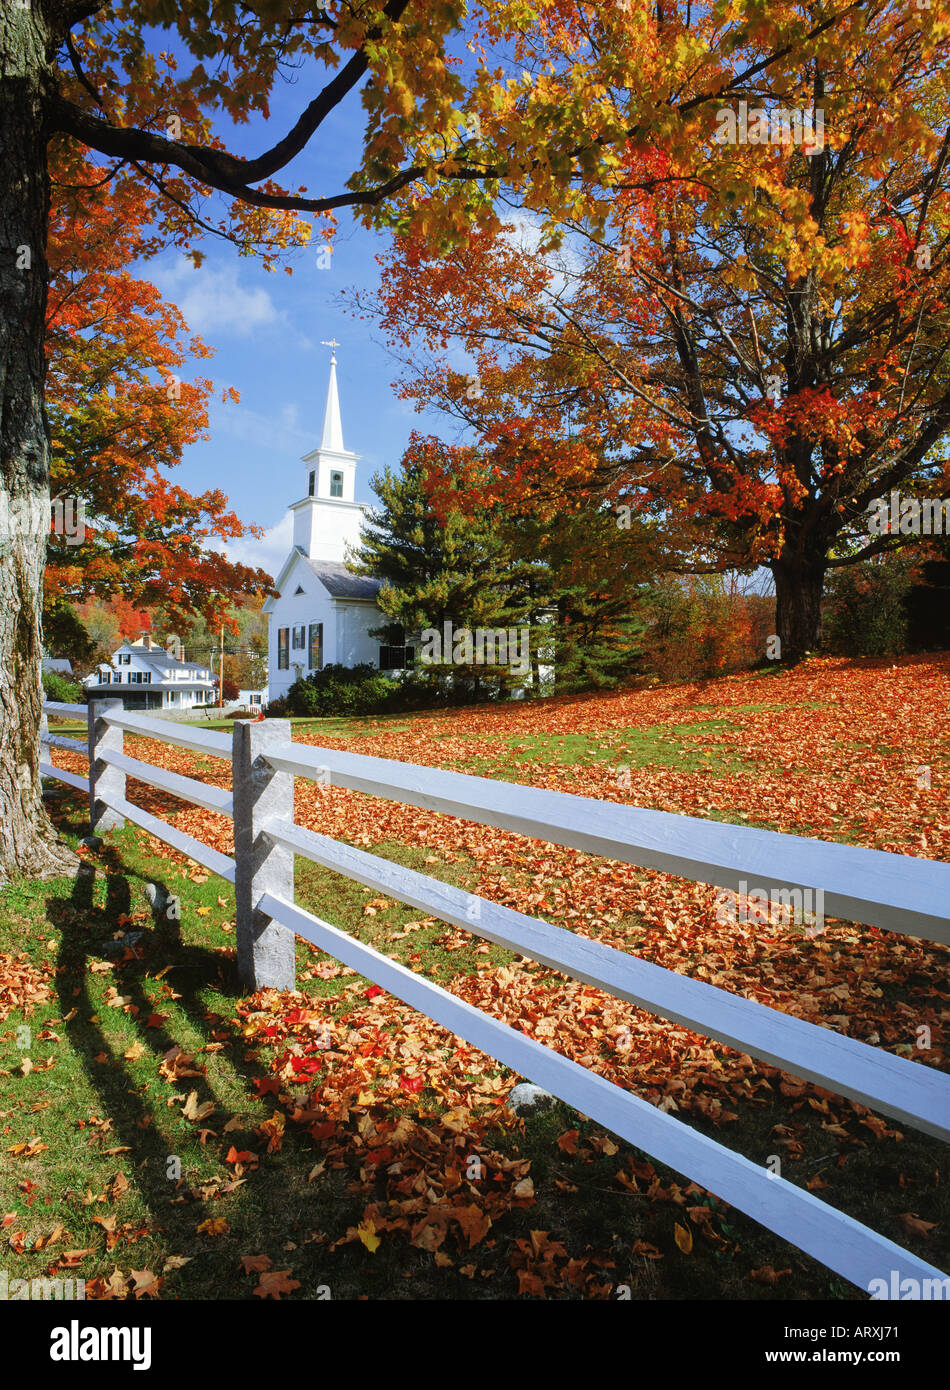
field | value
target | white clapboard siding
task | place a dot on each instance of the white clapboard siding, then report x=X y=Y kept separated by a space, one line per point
x=908 y=1091
x=75 y=711
x=843 y=1244
x=166 y=731
x=211 y=858
x=188 y=788
x=72 y=779
x=893 y=891
x=72 y=745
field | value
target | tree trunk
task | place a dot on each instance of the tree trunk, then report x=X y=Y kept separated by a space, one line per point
x=28 y=843
x=799 y=584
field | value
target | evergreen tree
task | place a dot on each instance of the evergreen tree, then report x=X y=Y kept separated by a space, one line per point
x=439 y=565
x=585 y=586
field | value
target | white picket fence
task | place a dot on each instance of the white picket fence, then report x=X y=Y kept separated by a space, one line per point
x=890 y=891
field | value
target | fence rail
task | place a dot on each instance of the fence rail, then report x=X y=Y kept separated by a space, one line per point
x=893 y=892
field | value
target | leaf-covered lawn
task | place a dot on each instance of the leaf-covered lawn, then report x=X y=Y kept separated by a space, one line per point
x=335 y=1140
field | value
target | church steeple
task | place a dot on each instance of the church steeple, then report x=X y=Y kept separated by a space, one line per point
x=329 y=515
x=332 y=424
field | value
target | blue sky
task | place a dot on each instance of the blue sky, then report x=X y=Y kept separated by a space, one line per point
x=267 y=330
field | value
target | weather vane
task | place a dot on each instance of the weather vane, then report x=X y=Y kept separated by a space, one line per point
x=330 y=343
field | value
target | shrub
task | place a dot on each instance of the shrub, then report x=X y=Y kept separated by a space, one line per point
x=864 y=611
x=56 y=686
x=696 y=629
x=342 y=690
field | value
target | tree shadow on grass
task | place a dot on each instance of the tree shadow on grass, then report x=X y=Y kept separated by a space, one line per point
x=274 y=1202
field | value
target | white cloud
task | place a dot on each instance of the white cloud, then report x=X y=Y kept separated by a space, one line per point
x=566 y=262
x=278 y=434
x=268 y=553
x=213 y=300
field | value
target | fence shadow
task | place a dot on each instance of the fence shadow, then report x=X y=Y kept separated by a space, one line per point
x=145 y=1126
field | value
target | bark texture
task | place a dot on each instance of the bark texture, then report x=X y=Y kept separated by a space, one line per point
x=28 y=843
x=799 y=584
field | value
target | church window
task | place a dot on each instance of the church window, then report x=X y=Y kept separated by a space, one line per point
x=315 y=659
x=336 y=484
x=300 y=637
x=297 y=591
x=313 y=480
x=283 y=654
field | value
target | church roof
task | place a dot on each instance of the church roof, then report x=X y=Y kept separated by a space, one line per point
x=339 y=582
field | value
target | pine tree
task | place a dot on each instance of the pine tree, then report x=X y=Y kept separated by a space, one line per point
x=439 y=566
x=588 y=581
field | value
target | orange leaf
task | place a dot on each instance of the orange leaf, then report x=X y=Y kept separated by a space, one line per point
x=276 y=1282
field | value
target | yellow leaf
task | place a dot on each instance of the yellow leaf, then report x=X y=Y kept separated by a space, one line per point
x=214 y=1226
x=683 y=1238
x=367 y=1234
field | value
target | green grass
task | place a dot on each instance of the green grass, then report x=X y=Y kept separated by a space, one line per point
x=102 y=1110
x=684 y=747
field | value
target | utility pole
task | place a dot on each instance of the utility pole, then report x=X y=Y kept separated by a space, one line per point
x=221 y=671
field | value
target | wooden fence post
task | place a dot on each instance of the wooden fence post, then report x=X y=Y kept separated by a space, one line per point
x=104 y=780
x=265 y=949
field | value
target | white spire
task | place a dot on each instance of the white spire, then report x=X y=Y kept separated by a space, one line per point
x=332 y=424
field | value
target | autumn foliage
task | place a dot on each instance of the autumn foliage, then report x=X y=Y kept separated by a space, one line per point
x=121 y=416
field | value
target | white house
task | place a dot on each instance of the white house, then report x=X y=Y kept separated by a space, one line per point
x=143 y=676
x=324 y=613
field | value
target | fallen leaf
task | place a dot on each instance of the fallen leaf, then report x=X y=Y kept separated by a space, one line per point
x=276 y=1282
x=367 y=1234
x=683 y=1237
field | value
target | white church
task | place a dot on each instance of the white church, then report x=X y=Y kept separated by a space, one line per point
x=324 y=613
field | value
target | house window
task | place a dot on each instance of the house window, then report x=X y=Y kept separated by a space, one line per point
x=315 y=660
x=313 y=480
x=125 y=658
x=336 y=484
x=395 y=658
x=106 y=678
x=173 y=697
x=300 y=637
x=283 y=650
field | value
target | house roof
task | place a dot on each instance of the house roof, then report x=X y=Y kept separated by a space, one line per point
x=160 y=660
x=340 y=583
